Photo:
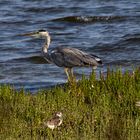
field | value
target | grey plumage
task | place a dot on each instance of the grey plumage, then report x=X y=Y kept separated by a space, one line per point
x=71 y=57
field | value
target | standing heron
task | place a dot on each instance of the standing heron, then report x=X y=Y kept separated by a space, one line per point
x=65 y=57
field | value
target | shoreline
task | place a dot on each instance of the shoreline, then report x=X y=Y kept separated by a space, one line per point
x=107 y=109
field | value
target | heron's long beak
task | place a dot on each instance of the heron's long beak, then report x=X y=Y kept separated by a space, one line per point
x=34 y=34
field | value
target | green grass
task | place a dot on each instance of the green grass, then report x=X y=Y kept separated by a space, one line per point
x=92 y=109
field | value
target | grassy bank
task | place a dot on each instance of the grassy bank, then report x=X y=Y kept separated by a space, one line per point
x=92 y=109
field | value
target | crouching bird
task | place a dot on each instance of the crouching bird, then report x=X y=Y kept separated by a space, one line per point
x=55 y=121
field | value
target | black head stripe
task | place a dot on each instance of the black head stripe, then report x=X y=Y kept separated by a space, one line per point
x=41 y=30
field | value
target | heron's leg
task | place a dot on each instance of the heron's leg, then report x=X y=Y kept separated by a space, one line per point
x=71 y=72
x=67 y=73
x=94 y=67
x=73 y=78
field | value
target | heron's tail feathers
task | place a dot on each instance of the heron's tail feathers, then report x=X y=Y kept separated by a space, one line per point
x=99 y=61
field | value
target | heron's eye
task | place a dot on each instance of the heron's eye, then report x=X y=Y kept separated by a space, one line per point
x=36 y=32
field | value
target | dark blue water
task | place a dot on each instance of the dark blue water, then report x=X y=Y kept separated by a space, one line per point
x=107 y=28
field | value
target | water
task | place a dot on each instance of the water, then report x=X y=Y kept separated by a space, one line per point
x=109 y=29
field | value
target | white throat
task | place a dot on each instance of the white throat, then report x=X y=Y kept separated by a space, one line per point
x=47 y=43
x=45 y=50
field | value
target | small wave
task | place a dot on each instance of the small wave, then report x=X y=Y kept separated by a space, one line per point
x=124 y=62
x=88 y=19
x=125 y=43
x=128 y=40
x=132 y=37
x=31 y=59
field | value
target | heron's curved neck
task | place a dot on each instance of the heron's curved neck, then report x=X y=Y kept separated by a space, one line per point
x=46 y=44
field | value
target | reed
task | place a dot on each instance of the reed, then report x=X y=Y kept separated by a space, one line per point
x=92 y=109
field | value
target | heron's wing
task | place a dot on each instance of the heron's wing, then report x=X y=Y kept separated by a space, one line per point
x=70 y=57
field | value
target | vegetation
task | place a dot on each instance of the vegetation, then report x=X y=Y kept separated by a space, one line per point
x=92 y=109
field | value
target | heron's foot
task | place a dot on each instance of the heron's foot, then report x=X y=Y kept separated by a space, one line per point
x=70 y=75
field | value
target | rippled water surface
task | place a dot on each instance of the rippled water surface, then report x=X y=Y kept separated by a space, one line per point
x=107 y=28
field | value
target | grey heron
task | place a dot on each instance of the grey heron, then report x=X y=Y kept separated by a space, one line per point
x=65 y=56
